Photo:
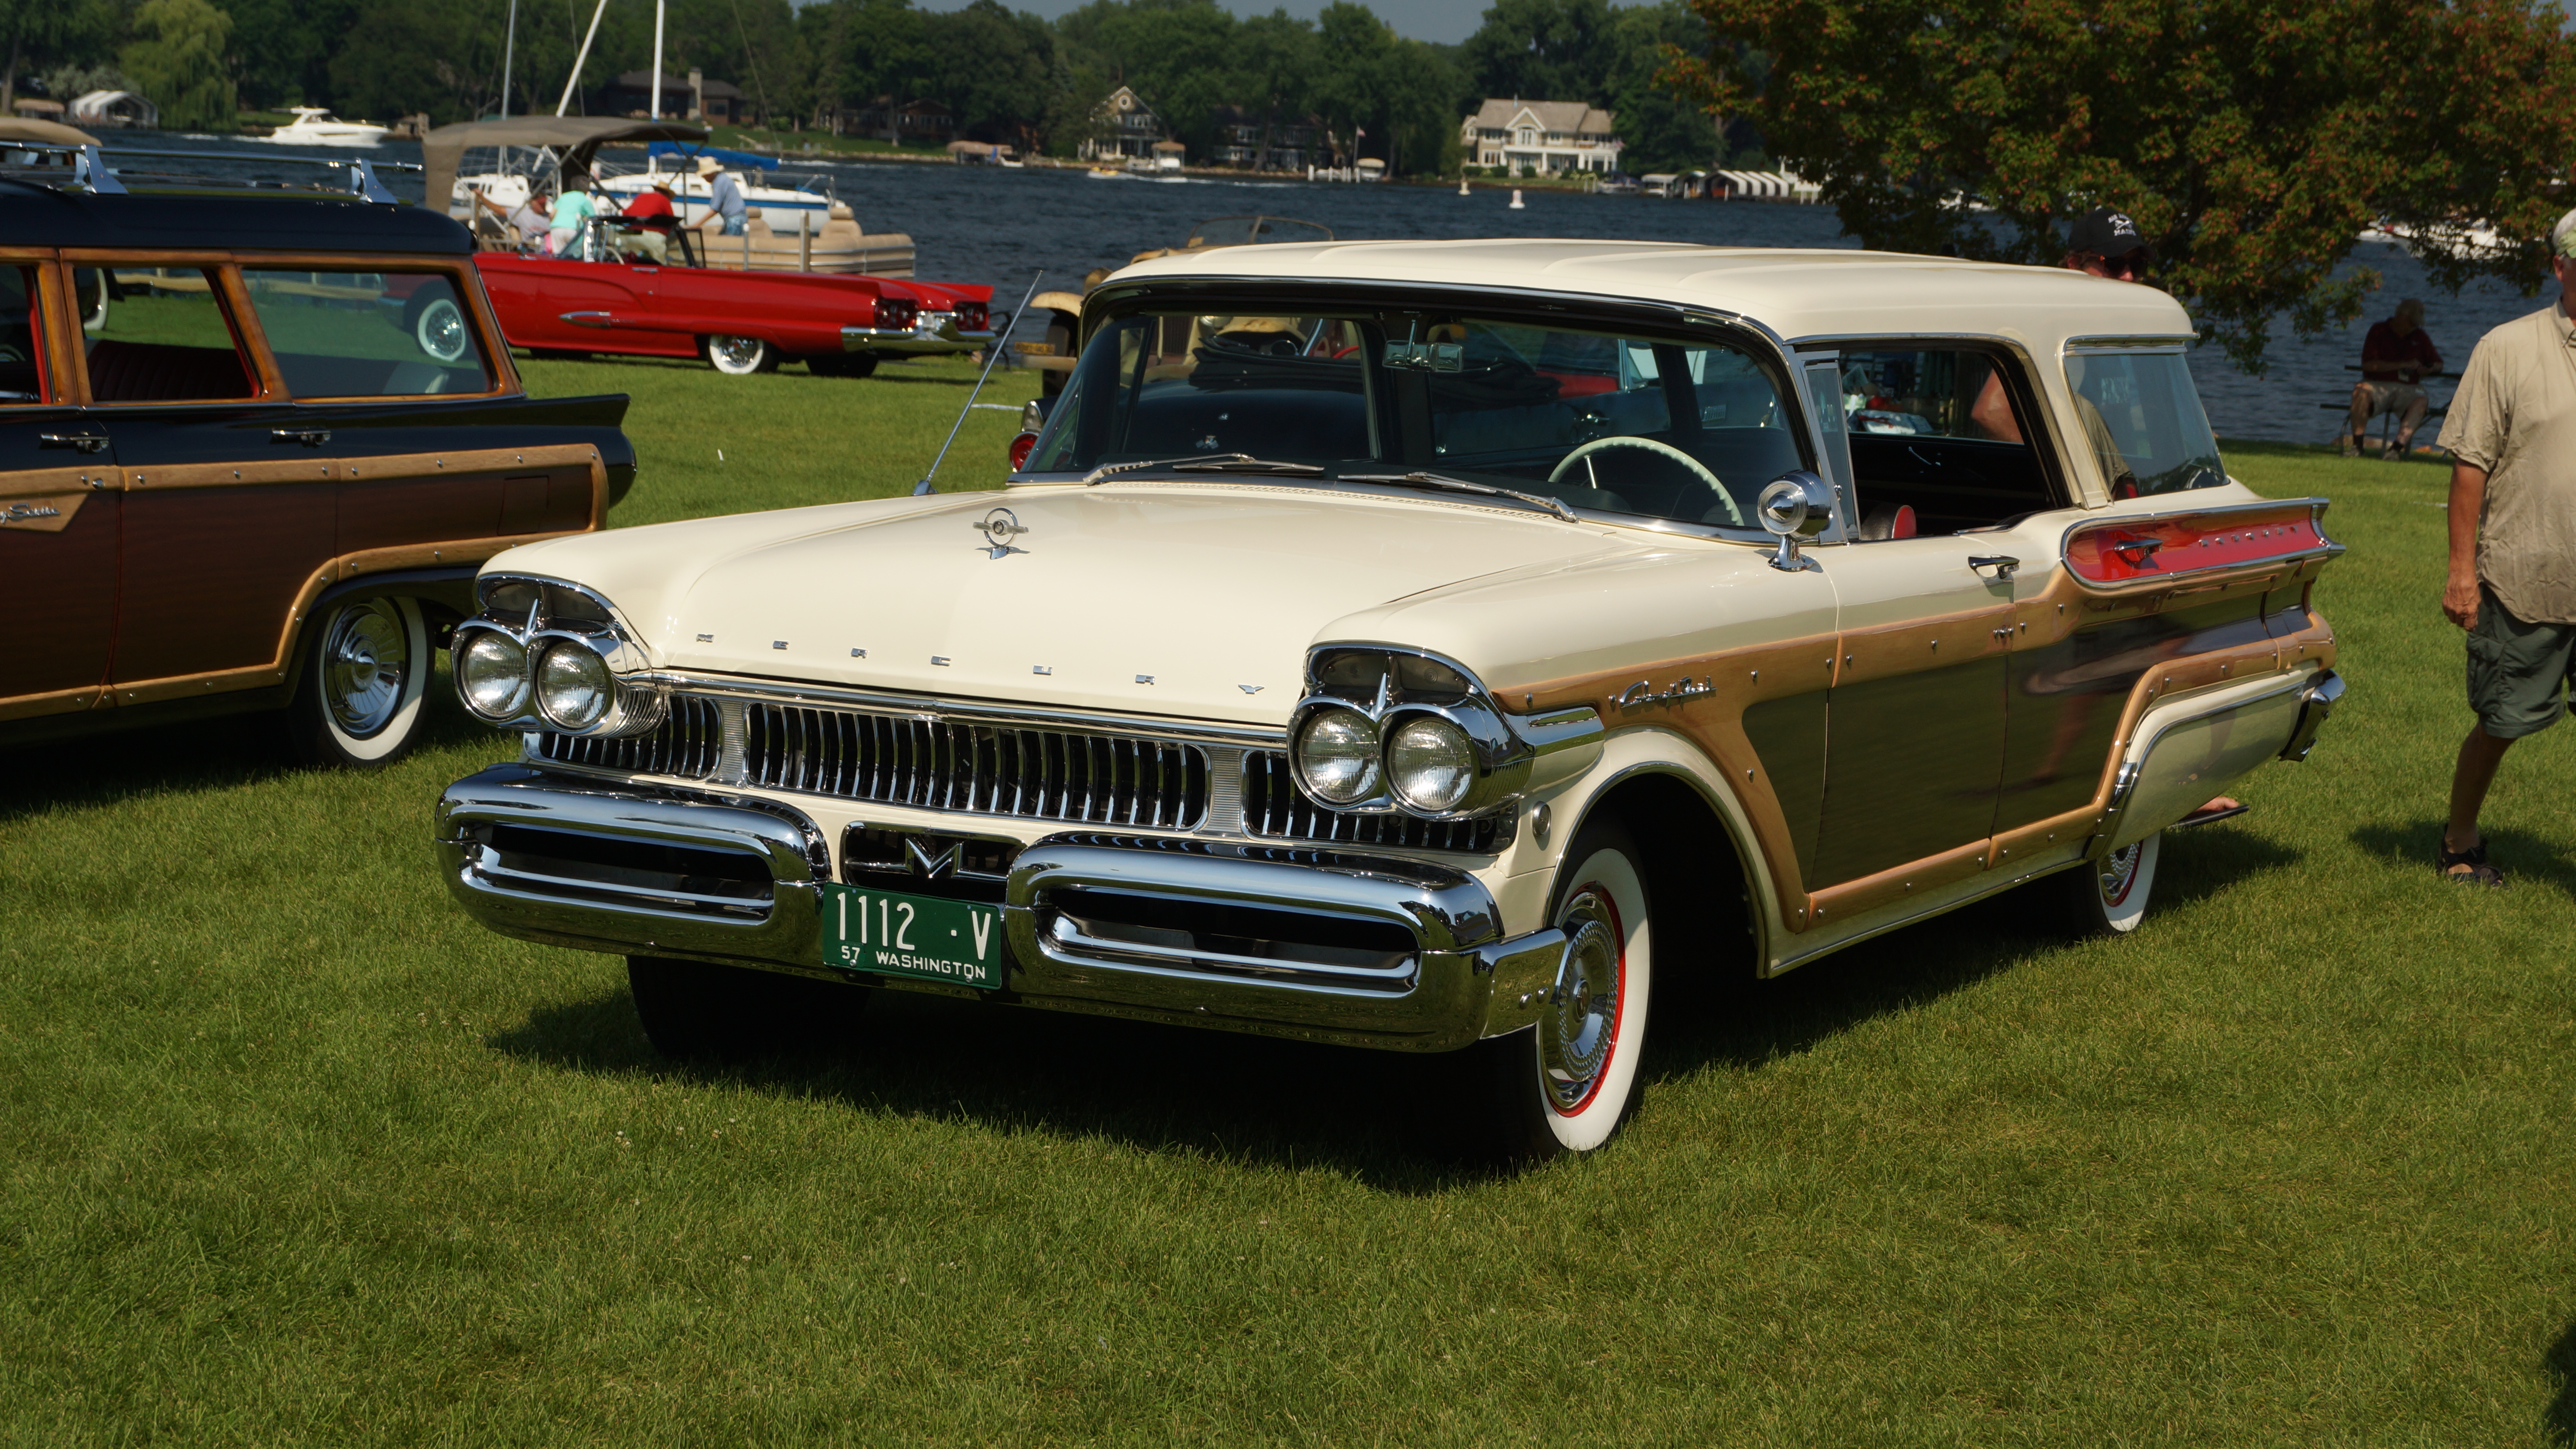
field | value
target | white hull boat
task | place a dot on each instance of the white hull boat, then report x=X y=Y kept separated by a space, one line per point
x=314 y=126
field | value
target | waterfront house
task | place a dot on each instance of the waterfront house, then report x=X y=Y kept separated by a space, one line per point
x=1271 y=142
x=1541 y=137
x=1122 y=126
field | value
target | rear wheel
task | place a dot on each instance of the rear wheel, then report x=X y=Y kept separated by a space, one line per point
x=694 y=1011
x=360 y=702
x=1565 y=1086
x=741 y=356
x=2108 y=897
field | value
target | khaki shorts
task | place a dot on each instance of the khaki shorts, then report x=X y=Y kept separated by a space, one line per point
x=2389 y=397
x=2517 y=671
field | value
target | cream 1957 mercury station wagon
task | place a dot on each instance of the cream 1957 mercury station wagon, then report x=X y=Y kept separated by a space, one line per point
x=1432 y=646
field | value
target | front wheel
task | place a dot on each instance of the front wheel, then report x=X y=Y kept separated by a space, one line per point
x=2108 y=897
x=1565 y=1086
x=695 y=1011
x=742 y=356
x=366 y=678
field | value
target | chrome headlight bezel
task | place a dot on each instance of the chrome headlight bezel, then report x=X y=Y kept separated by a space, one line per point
x=1502 y=756
x=636 y=704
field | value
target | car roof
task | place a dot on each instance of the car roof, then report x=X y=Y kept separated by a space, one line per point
x=1797 y=293
x=41 y=216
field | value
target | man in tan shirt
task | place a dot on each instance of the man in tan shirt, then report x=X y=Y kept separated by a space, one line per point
x=2512 y=439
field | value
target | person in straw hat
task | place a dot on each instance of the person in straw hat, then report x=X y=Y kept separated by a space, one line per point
x=725 y=206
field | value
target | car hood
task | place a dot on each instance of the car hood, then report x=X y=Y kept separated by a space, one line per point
x=1189 y=599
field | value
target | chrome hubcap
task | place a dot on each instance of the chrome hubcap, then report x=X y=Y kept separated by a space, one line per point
x=2120 y=872
x=735 y=354
x=442 y=331
x=1580 y=1028
x=366 y=658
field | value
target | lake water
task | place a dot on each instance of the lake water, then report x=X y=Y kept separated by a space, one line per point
x=988 y=225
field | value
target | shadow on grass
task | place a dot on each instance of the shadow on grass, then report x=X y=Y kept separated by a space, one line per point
x=2558 y=1421
x=1748 y=1025
x=1261 y=1101
x=2522 y=857
x=1227 y=1097
x=115 y=766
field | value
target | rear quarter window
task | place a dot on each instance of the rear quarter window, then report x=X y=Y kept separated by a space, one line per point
x=2142 y=419
x=368 y=334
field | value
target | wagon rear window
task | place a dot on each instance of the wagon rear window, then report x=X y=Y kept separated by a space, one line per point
x=160 y=334
x=2143 y=421
x=367 y=334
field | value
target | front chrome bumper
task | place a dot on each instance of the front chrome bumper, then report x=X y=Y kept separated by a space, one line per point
x=936 y=332
x=1235 y=936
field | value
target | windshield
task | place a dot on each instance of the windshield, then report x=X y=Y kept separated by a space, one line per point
x=1655 y=427
x=2143 y=420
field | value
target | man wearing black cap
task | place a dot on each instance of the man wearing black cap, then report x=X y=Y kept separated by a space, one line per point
x=2106 y=243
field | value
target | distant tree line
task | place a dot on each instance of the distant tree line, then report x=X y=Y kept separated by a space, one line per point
x=1003 y=75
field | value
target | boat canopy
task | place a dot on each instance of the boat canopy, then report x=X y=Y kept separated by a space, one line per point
x=574 y=138
x=44 y=133
x=723 y=157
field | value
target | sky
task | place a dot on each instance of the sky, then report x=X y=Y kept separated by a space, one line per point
x=1444 y=21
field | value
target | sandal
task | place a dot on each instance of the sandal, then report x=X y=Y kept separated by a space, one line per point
x=2475 y=858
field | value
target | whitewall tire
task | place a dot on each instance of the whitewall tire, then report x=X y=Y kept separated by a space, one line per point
x=742 y=356
x=361 y=701
x=1565 y=1086
x=2108 y=897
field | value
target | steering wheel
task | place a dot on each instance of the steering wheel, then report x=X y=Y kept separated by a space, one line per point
x=1651 y=445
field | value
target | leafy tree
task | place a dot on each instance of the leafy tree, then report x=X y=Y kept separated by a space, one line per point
x=443 y=61
x=2252 y=140
x=1663 y=130
x=177 y=58
x=282 y=49
x=996 y=72
x=44 y=36
x=1180 y=56
x=1542 y=50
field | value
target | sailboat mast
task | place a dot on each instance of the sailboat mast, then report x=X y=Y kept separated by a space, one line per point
x=657 y=61
x=574 y=79
x=509 y=52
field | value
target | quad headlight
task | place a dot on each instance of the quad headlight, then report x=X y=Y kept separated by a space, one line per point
x=1337 y=756
x=1430 y=763
x=1385 y=731
x=546 y=655
x=574 y=687
x=492 y=675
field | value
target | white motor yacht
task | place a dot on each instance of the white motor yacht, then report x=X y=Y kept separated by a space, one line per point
x=314 y=126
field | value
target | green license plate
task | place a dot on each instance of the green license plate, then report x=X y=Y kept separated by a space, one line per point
x=959 y=942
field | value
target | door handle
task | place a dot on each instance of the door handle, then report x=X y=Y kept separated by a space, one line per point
x=586 y=319
x=309 y=437
x=2138 y=551
x=2003 y=565
x=86 y=442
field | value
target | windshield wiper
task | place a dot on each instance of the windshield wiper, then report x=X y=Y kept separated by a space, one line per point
x=1461 y=485
x=1204 y=463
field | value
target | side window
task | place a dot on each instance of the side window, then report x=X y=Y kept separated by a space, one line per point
x=367 y=334
x=2143 y=421
x=1939 y=443
x=164 y=336
x=22 y=357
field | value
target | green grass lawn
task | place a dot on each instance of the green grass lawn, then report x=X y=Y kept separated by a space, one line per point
x=298 y=1155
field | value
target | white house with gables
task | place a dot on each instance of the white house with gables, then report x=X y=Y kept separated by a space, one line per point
x=1541 y=136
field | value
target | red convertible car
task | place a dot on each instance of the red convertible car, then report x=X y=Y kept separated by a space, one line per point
x=743 y=322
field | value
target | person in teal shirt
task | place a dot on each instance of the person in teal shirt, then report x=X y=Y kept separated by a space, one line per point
x=573 y=211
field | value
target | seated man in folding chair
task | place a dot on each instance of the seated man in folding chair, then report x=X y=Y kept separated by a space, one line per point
x=2395 y=356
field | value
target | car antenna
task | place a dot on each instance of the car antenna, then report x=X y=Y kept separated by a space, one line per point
x=991 y=356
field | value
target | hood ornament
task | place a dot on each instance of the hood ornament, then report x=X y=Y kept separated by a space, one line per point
x=999 y=527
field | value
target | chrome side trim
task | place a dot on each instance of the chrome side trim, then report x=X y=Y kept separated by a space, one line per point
x=2140 y=747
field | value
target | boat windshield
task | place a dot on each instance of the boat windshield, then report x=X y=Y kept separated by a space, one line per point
x=1665 y=427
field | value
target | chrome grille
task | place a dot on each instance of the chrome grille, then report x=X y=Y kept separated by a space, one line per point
x=688 y=743
x=1273 y=806
x=984 y=769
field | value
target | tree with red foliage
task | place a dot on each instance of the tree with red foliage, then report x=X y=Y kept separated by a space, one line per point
x=2252 y=140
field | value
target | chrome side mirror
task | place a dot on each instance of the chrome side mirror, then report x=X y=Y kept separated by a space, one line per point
x=1796 y=505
